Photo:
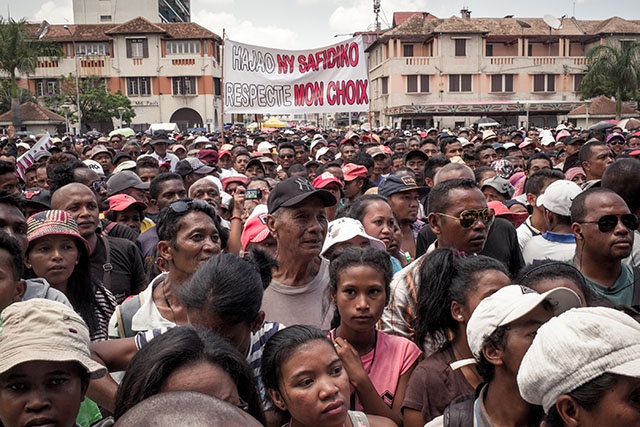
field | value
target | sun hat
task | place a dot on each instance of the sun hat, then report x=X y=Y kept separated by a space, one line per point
x=510 y=304
x=255 y=230
x=352 y=171
x=558 y=197
x=398 y=183
x=295 y=190
x=160 y=137
x=488 y=135
x=127 y=165
x=122 y=180
x=99 y=149
x=46 y=330
x=344 y=229
x=501 y=185
x=53 y=222
x=121 y=202
x=326 y=178
x=576 y=347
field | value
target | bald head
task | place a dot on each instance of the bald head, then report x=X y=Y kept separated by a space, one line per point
x=178 y=408
x=80 y=202
x=453 y=171
x=60 y=197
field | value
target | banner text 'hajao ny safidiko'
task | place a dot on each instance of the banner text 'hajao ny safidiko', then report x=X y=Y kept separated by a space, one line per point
x=327 y=80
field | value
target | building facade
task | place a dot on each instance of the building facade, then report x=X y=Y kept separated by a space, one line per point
x=113 y=12
x=170 y=71
x=427 y=71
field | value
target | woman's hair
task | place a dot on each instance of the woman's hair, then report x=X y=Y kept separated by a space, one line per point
x=230 y=286
x=280 y=347
x=170 y=220
x=80 y=287
x=541 y=270
x=588 y=395
x=179 y=347
x=353 y=257
x=446 y=276
x=358 y=208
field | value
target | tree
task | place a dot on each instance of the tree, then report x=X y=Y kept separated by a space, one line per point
x=97 y=105
x=24 y=95
x=19 y=53
x=613 y=70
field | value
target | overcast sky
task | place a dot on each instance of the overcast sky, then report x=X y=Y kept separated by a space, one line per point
x=300 y=24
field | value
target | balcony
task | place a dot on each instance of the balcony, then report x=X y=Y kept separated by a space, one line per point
x=531 y=64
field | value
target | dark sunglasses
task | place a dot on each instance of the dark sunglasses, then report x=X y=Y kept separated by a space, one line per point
x=98 y=185
x=286 y=156
x=469 y=217
x=617 y=141
x=608 y=222
x=181 y=206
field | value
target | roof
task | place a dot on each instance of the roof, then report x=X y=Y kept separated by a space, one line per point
x=601 y=106
x=32 y=112
x=400 y=17
x=137 y=25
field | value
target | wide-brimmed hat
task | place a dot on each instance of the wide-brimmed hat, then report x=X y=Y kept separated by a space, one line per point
x=344 y=229
x=53 y=222
x=44 y=330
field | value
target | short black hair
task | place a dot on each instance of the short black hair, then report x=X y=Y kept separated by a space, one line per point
x=11 y=245
x=7 y=167
x=62 y=174
x=446 y=141
x=169 y=221
x=539 y=179
x=579 y=206
x=482 y=148
x=147 y=162
x=623 y=177
x=431 y=166
x=586 y=151
x=537 y=156
x=156 y=183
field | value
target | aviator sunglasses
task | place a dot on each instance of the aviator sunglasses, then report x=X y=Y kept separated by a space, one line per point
x=469 y=217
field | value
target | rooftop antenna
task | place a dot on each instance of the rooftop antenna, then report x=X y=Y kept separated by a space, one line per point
x=376 y=10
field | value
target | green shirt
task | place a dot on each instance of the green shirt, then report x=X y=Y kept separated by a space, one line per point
x=621 y=293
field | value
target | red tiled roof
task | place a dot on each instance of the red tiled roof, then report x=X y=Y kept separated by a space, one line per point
x=400 y=17
x=188 y=30
x=32 y=112
x=137 y=25
x=601 y=106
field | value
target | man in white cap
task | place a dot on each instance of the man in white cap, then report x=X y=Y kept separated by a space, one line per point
x=558 y=242
x=499 y=332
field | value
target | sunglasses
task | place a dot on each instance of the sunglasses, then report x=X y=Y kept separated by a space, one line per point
x=617 y=141
x=98 y=185
x=182 y=206
x=469 y=217
x=286 y=156
x=608 y=222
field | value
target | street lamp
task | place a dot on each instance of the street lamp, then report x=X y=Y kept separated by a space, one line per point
x=66 y=108
x=120 y=111
x=75 y=60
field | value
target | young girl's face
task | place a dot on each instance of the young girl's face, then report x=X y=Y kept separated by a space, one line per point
x=54 y=257
x=360 y=297
x=314 y=387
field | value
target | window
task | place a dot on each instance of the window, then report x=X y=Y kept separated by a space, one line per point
x=180 y=47
x=92 y=49
x=137 y=48
x=577 y=81
x=184 y=86
x=544 y=83
x=460 y=83
x=489 y=50
x=217 y=86
x=502 y=83
x=414 y=80
x=105 y=18
x=407 y=50
x=138 y=86
x=461 y=47
x=384 y=85
x=46 y=87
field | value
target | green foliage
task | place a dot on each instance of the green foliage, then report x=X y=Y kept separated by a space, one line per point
x=613 y=70
x=96 y=103
x=5 y=96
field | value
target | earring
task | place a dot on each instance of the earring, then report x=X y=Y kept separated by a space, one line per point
x=459 y=317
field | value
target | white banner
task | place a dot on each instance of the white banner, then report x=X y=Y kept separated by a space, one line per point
x=26 y=160
x=331 y=79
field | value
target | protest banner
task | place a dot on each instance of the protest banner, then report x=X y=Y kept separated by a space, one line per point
x=325 y=80
x=27 y=159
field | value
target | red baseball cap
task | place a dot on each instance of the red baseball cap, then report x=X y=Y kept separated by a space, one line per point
x=255 y=230
x=208 y=156
x=325 y=179
x=352 y=171
x=121 y=202
x=242 y=179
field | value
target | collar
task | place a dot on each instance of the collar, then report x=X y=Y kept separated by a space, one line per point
x=558 y=237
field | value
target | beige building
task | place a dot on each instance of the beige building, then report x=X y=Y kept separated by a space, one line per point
x=170 y=71
x=427 y=71
x=114 y=12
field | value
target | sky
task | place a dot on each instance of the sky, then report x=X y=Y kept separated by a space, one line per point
x=308 y=24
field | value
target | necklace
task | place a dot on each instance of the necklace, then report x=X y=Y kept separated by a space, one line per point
x=166 y=300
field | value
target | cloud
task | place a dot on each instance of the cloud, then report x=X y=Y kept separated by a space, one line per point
x=54 y=13
x=246 y=31
x=359 y=16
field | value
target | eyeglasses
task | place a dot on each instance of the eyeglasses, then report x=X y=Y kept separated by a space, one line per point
x=286 y=156
x=469 y=217
x=182 y=206
x=608 y=222
x=617 y=141
x=98 y=185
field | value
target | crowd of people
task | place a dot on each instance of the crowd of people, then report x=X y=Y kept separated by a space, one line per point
x=467 y=277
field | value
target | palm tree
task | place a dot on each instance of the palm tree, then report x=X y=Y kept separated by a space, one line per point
x=613 y=70
x=19 y=53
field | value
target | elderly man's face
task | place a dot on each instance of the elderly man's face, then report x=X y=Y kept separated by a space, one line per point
x=300 y=229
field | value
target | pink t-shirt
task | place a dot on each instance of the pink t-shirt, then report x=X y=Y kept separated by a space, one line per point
x=392 y=357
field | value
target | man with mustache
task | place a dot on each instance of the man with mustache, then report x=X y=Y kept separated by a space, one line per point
x=604 y=229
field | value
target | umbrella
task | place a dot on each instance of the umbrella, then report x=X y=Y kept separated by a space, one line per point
x=605 y=124
x=486 y=122
x=629 y=124
x=127 y=132
x=94 y=134
x=252 y=126
x=273 y=122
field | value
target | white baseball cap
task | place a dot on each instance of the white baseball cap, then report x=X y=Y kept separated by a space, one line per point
x=559 y=196
x=576 y=347
x=344 y=229
x=510 y=304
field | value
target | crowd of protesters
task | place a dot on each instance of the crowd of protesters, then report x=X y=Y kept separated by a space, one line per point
x=322 y=277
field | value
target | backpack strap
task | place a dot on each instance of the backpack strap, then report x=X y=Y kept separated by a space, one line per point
x=635 y=301
x=460 y=412
x=125 y=313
